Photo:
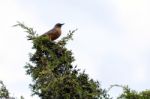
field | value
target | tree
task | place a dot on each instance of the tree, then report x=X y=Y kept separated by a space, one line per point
x=3 y=91
x=54 y=76
x=128 y=93
x=144 y=94
x=132 y=94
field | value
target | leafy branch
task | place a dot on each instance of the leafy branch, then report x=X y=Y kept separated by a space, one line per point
x=31 y=33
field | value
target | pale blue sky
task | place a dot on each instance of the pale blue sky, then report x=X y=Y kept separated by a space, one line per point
x=112 y=42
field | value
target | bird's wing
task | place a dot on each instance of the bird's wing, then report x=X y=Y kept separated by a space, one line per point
x=50 y=32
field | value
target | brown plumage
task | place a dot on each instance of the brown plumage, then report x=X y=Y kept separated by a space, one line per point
x=54 y=33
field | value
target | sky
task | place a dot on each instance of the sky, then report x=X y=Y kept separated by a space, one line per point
x=112 y=43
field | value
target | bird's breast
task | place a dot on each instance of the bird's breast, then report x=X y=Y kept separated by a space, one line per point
x=55 y=34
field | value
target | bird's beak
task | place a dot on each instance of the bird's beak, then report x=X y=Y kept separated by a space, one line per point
x=62 y=23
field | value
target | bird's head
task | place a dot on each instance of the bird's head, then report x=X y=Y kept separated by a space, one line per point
x=59 y=24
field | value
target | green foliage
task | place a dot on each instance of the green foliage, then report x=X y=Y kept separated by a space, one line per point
x=54 y=76
x=128 y=93
x=145 y=94
x=21 y=97
x=3 y=91
x=132 y=94
x=31 y=33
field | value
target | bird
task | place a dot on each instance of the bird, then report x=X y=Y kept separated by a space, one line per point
x=55 y=32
